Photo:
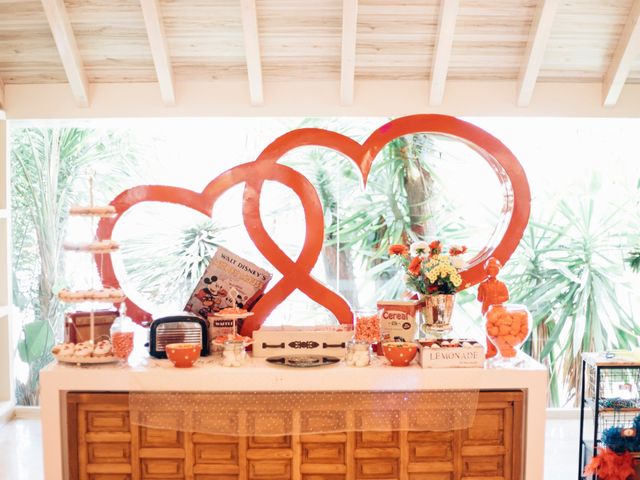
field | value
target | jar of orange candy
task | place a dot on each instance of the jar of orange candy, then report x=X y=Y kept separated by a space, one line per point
x=508 y=326
x=367 y=325
x=122 y=331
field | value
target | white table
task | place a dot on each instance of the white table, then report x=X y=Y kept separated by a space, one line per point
x=153 y=375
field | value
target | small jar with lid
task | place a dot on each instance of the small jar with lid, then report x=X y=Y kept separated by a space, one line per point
x=122 y=333
x=358 y=353
x=233 y=354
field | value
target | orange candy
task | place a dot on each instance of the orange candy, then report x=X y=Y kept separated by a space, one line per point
x=122 y=343
x=368 y=328
x=507 y=329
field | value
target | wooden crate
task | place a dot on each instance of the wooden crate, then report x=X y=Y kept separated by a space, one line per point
x=103 y=445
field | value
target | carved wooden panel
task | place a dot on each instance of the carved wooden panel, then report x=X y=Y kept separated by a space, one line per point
x=103 y=445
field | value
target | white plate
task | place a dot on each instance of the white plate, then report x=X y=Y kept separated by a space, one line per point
x=86 y=360
x=233 y=315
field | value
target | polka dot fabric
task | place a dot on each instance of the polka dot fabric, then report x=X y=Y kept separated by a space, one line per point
x=285 y=413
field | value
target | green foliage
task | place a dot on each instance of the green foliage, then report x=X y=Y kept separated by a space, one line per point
x=37 y=340
x=569 y=271
x=634 y=259
x=47 y=165
x=168 y=261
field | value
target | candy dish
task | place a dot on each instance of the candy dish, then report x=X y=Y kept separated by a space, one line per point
x=101 y=246
x=93 y=210
x=183 y=355
x=222 y=339
x=227 y=313
x=399 y=354
x=86 y=360
x=303 y=361
x=84 y=352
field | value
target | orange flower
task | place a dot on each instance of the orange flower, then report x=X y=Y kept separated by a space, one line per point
x=455 y=251
x=435 y=248
x=398 y=250
x=414 y=266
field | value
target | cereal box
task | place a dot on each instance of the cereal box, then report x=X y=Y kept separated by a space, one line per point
x=398 y=320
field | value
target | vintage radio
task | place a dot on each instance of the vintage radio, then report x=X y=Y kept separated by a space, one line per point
x=288 y=340
x=181 y=328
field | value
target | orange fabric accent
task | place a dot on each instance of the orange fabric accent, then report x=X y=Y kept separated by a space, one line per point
x=609 y=465
x=296 y=273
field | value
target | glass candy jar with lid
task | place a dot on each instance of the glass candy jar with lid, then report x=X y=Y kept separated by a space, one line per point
x=233 y=354
x=508 y=326
x=358 y=353
x=122 y=333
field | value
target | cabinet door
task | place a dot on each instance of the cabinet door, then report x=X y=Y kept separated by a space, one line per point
x=103 y=445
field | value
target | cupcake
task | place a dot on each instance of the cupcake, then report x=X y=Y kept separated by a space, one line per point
x=83 y=350
x=63 y=349
x=102 y=349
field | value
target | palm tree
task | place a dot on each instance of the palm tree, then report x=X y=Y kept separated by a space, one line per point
x=46 y=166
x=569 y=271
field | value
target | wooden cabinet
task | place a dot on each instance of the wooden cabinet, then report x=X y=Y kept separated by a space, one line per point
x=103 y=445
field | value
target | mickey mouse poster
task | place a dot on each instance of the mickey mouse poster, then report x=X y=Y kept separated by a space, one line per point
x=229 y=281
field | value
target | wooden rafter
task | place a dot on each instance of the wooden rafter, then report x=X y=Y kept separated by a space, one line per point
x=159 y=49
x=625 y=54
x=442 y=53
x=252 y=50
x=536 y=46
x=60 y=26
x=348 y=61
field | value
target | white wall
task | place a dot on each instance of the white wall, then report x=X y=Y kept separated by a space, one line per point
x=372 y=98
x=6 y=348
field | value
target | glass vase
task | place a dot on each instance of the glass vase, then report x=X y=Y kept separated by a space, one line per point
x=508 y=326
x=436 y=312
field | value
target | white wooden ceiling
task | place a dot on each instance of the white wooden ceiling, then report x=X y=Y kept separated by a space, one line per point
x=83 y=42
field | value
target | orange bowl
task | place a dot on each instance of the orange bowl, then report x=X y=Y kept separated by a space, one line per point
x=399 y=354
x=183 y=355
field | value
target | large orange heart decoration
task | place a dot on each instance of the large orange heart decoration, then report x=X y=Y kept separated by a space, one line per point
x=296 y=273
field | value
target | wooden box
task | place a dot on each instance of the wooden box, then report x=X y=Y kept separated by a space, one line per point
x=471 y=355
x=77 y=325
x=270 y=341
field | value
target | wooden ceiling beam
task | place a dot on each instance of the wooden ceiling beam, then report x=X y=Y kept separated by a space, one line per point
x=536 y=46
x=159 y=49
x=623 y=57
x=442 y=53
x=60 y=26
x=252 y=50
x=348 y=58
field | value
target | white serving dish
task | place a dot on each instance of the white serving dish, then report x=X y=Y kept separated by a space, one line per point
x=86 y=360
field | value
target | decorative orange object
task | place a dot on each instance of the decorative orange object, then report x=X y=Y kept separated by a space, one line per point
x=399 y=354
x=122 y=343
x=492 y=292
x=183 y=355
x=508 y=326
x=367 y=326
x=296 y=273
x=609 y=465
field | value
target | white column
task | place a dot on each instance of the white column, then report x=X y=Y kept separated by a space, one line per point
x=6 y=346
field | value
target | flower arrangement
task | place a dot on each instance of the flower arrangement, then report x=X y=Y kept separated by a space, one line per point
x=427 y=270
